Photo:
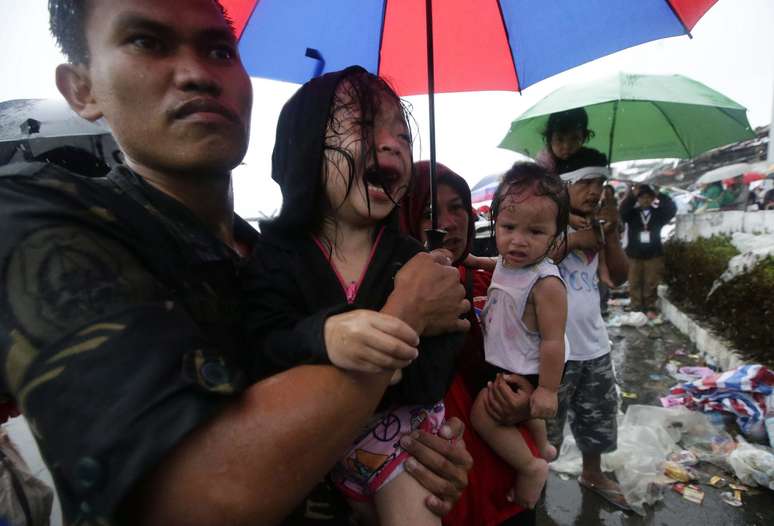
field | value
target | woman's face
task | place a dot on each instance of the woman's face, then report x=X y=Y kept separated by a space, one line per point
x=453 y=217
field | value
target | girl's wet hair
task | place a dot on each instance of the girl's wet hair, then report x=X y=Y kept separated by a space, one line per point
x=365 y=95
x=568 y=121
x=527 y=179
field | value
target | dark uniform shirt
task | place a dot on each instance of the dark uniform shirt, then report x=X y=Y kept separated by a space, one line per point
x=119 y=327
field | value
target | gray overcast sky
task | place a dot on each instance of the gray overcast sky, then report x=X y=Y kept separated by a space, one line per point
x=732 y=51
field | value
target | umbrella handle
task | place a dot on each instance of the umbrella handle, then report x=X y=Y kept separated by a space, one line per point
x=435 y=238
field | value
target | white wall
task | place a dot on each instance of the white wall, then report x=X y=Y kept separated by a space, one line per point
x=692 y=226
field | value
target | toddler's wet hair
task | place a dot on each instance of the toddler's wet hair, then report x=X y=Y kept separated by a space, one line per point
x=527 y=179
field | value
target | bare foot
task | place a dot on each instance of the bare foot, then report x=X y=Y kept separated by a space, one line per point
x=606 y=488
x=530 y=480
x=548 y=452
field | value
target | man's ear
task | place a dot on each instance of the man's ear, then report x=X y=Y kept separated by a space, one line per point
x=74 y=84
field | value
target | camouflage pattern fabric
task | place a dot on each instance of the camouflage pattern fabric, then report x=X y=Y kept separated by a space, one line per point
x=118 y=329
x=588 y=397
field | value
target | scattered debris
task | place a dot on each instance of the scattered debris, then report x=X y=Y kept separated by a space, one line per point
x=678 y=472
x=731 y=498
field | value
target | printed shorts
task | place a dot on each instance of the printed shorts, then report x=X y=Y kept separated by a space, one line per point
x=588 y=398
x=376 y=456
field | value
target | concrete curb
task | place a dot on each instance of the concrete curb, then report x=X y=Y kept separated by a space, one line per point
x=716 y=351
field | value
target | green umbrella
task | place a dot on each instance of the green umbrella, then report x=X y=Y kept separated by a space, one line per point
x=639 y=117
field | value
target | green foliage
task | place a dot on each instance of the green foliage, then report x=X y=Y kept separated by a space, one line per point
x=742 y=309
x=693 y=266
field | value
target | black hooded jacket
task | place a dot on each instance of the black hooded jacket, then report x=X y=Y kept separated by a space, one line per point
x=292 y=286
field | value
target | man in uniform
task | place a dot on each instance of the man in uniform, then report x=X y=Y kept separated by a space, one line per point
x=120 y=338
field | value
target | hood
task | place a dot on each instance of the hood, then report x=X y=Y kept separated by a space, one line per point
x=296 y=163
x=418 y=197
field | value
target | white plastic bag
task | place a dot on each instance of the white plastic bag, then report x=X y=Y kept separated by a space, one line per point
x=753 y=464
x=24 y=499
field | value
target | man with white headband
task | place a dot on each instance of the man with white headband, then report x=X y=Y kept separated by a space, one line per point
x=588 y=389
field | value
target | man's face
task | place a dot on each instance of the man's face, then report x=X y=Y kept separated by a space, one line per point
x=645 y=200
x=584 y=195
x=167 y=78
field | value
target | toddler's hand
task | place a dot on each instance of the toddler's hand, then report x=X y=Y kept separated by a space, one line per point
x=543 y=403
x=368 y=341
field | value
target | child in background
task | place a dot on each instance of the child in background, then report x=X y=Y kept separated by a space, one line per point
x=343 y=159
x=565 y=134
x=524 y=318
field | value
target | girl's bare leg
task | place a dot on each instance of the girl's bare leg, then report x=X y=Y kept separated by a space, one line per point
x=402 y=501
x=508 y=442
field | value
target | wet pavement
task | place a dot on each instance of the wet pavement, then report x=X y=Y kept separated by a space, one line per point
x=640 y=356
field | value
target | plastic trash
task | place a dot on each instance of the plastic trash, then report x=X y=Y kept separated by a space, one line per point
x=678 y=472
x=753 y=464
x=647 y=435
x=630 y=319
x=684 y=458
x=731 y=499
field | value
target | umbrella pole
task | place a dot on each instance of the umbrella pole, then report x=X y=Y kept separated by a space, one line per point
x=434 y=235
x=612 y=132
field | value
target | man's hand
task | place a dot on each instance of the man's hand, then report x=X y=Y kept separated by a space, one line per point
x=506 y=405
x=440 y=464
x=428 y=295
x=543 y=403
x=609 y=214
x=370 y=342
x=579 y=222
x=585 y=240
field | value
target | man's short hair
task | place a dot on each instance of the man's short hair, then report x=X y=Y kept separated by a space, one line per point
x=67 y=20
x=67 y=23
x=646 y=190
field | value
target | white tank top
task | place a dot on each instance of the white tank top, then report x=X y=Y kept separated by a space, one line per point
x=586 y=329
x=508 y=343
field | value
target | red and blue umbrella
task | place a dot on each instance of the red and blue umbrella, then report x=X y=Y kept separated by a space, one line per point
x=478 y=45
x=469 y=45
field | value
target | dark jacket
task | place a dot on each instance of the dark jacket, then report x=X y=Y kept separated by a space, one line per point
x=292 y=287
x=294 y=291
x=635 y=219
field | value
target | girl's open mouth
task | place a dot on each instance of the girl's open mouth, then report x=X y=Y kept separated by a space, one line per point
x=382 y=182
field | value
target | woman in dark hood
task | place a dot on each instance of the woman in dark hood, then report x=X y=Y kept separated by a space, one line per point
x=485 y=500
x=329 y=262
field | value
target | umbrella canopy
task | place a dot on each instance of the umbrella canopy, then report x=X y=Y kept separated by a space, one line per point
x=30 y=128
x=639 y=117
x=481 y=45
x=449 y=45
x=749 y=177
x=724 y=172
x=43 y=118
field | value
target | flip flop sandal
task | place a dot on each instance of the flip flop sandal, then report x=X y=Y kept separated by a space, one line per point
x=614 y=497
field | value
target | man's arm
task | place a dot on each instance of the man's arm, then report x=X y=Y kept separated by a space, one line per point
x=615 y=257
x=667 y=207
x=627 y=207
x=617 y=262
x=257 y=458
